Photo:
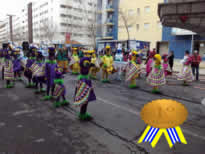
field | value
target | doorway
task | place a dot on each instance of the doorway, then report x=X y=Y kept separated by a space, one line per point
x=200 y=46
x=163 y=47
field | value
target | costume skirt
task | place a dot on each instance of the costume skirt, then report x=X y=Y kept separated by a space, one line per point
x=186 y=74
x=156 y=77
x=59 y=90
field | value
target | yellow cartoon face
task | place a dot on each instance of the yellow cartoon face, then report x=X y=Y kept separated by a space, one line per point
x=86 y=63
x=134 y=58
x=93 y=55
x=108 y=52
x=75 y=52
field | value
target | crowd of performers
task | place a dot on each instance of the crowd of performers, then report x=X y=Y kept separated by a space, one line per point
x=157 y=69
x=46 y=72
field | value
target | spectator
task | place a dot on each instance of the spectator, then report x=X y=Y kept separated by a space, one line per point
x=148 y=54
x=114 y=52
x=80 y=53
x=171 y=60
x=62 y=59
x=196 y=59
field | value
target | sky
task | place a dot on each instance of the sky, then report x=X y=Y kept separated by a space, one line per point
x=10 y=6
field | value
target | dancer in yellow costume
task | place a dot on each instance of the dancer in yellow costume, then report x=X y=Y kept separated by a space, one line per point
x=75 y=67
x=87 y=53
x=94 y=65
x=132 y=70
x=107 y=65
x=156 y=77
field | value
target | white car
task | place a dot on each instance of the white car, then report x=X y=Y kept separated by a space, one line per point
x=118 y=57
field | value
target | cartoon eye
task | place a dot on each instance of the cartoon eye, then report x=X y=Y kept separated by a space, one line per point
x=170 y=109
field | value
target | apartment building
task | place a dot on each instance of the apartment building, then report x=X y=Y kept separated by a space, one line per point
x=107 y=19
x=53 y=19
x=4 y=31
x=140 y=18
x=20 y=27
x=49 y=21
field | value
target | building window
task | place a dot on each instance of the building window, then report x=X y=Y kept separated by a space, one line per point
x=89 y=3
x=138 y=11
x=159 y=24
x=66 y=6
x=120 y=29
x=146 y=26
x=129 y=28
x=137 y=27
x=147 y=9
x=130 y=12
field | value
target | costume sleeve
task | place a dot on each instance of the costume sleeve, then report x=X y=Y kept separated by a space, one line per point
x=46 y=70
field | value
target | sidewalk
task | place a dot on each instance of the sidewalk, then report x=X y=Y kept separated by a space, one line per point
x=178 y=66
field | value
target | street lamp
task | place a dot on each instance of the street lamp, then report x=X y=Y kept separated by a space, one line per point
x=11 y=26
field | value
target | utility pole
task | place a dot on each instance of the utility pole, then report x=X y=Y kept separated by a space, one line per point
x=192 y=43
x=11 y=26
x=30 y=23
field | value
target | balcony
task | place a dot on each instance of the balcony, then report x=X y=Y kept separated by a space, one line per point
x=108 y=36
x=184 y=14
x=110 y=8
x=109 y=22
x=99 y=12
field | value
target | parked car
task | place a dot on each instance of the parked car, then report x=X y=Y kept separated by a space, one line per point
x=118 y=57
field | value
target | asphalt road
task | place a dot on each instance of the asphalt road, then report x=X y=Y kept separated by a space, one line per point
x=29 y=125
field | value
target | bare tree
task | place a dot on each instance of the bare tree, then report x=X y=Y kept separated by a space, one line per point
x=126 y=21
x=91 y=28
x=91 y=25
x=47 y=31
x=19 y=36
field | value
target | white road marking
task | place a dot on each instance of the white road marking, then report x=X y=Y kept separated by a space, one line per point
x=118 y=106
x=40 y=140
x=138 y=114
x=193 y=134
x=23 y=112
x=19 y=126
x=203 y=102
x=2 y=124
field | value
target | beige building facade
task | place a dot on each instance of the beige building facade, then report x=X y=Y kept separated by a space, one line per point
x=140 y=18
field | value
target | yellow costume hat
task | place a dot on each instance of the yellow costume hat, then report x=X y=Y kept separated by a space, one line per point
x=107 y=47
x=158 y=57
x=135 y=52
x=86 y=51
x=92 y=51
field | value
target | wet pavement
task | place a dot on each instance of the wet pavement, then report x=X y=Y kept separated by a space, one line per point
x=29 y=125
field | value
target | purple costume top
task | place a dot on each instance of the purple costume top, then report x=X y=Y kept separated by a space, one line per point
x=17 y=65
x=30 y=62
x=84 y=70
x=1 y=53
x=50 y=72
